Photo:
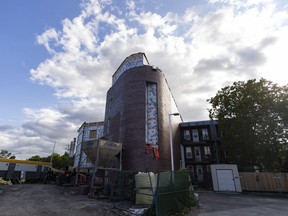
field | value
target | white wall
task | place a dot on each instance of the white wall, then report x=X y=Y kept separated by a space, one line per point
x=225 y=178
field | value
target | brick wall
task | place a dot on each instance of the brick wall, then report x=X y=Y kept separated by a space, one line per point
x=126 y=118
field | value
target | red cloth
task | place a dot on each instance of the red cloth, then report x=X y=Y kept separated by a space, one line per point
x=154 y=149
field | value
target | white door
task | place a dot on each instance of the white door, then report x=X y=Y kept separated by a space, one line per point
x=225 y=180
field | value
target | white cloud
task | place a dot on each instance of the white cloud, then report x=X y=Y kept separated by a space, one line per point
x=46 y=38
x=226 y=41
x=23 y=143
x=38 y=133
x=130 y=4
x=199 y=52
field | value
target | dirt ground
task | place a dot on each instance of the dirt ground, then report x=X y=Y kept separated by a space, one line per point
x=41 y=199
x=53 y=200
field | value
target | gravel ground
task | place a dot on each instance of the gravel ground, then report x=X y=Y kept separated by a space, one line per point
x=40 y=199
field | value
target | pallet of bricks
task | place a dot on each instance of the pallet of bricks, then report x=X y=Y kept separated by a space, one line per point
x=145 y=186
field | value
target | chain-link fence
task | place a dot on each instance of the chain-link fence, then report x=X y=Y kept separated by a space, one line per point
x=172 y=193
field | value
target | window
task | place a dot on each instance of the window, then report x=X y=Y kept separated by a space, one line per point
x=190 y=169
x=188 y=152
x=186 y=134
x=205 y=135
x=195 y=135
x=92 y=134
x=207 y=151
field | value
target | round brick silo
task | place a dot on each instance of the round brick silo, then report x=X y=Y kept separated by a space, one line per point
x=137 y=114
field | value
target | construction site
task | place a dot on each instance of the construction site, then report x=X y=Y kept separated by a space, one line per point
x=105 y=190
x=134 y=154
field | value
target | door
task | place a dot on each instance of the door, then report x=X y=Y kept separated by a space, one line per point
x=197 y=154
x=192 y=173
x=199 y=170
x=225 y=179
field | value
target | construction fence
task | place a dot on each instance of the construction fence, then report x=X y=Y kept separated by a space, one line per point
x=172 y=193
x=264 y=182
x=166 y=193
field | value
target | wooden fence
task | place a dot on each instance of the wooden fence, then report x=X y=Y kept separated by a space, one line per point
x=266 y=182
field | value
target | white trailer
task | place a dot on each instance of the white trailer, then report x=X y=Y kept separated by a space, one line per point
x=11 y=169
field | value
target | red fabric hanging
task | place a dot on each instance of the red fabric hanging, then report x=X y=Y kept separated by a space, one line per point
x=154 y=149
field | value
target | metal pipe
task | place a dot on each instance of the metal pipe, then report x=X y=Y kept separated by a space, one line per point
x=171 y=141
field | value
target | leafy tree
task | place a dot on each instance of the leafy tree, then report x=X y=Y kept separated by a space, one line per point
x=35 y=158
x=253 y=118
x=58 y=161
x=5 y=154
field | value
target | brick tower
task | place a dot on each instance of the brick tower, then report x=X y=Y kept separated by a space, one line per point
x=138 y=107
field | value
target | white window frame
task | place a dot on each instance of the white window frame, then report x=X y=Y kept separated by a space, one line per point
x=195 y=135
x=189 y=154
x=187 y=135
x=207 y=151
x=92 y=134
x=205 y=134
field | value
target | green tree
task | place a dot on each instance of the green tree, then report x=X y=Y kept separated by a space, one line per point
x=35 y=158
x=253 y=118
x=5 y=154
x=58 y=161
x=61 y=161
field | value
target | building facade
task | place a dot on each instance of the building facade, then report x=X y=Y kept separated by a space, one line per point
x=200 y=141
x=87 y=132
x=137 y=115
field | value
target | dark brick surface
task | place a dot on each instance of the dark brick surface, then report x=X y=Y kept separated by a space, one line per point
x=127 y=119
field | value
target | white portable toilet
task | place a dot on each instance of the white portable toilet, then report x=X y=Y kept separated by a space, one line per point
x=225 y=178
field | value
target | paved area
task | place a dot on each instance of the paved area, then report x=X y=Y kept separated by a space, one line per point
x=243 y=204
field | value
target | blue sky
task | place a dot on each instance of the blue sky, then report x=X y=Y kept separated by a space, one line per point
x=20 y=22
x=58 y=57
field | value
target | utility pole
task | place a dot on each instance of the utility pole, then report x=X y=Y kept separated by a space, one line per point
x=51 y=159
